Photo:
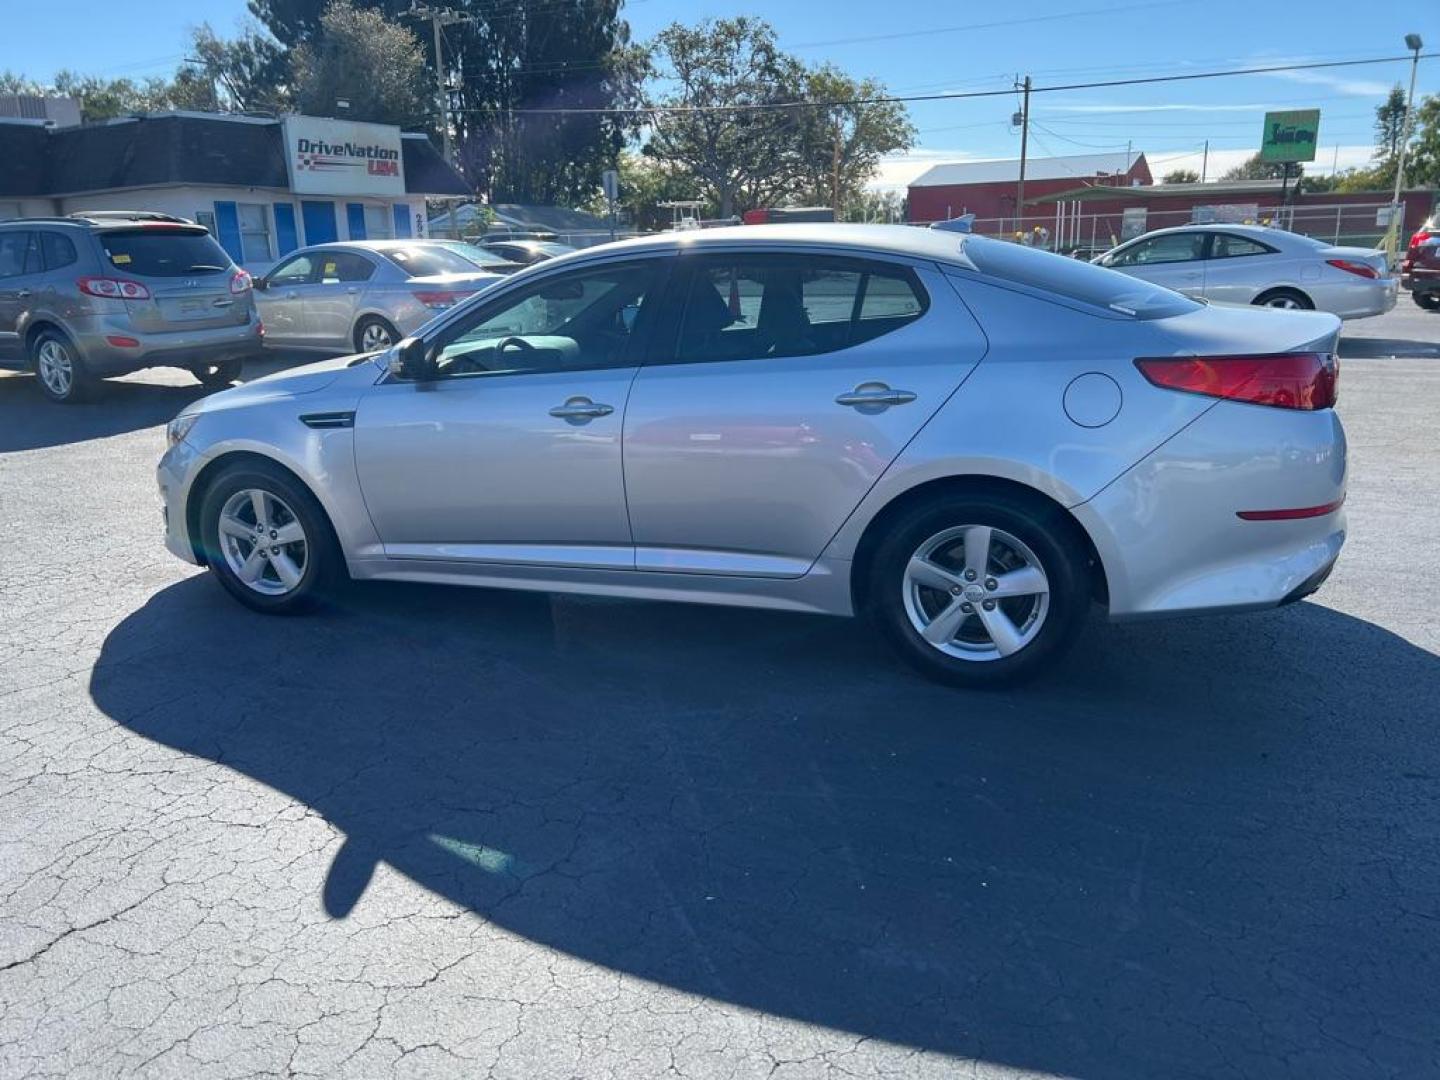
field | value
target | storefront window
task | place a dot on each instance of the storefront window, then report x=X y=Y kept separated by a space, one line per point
x=378 y=223
x=255 y=232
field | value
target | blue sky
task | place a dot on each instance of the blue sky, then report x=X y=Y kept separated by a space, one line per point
x=929 y=48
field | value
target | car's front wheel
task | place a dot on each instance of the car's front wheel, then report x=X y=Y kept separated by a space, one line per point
x=267 y=540
x=60 y=368
x=1428 y=300
x=980 y=591
x=220 y=374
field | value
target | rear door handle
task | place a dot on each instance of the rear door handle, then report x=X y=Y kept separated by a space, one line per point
x=581 y=409
x=875 y=396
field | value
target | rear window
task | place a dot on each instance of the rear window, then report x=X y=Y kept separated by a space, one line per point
x=480 y=257
x=1072 y=279
x=432 y=259
x=164 y=252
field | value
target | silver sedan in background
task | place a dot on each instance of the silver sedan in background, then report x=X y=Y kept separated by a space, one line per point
x=1250 y=264
x=966 y=439
x=364 y=295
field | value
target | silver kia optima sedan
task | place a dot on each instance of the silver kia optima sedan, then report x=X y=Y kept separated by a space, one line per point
x=968 y=440
x=362 y=295
x=1250 y=264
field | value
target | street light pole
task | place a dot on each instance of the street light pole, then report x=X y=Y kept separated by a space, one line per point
x=1392 y=236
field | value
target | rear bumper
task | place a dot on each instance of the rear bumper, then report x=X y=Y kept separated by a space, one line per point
x=181 y=348
x=1420 y=280
x=1168 y=533
x=1357 y=299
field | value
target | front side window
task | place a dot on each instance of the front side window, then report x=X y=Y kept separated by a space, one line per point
x=1230 y=246
x=152 y=252
x=298 y=271
x=1171 y=248
x=344 y=266
x=748 y=308
x=571 y=322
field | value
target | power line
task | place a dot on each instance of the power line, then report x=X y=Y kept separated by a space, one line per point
x=766 y=106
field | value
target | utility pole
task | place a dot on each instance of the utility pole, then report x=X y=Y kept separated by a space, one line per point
x=1024 y=146
x=441 y=17
x=1205 y=162
x=1414 y=44
x=835 y=173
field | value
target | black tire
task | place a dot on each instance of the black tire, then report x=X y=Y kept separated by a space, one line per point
x=81 y=384
x=378 y=325
x=1428 y=300
x=324 y=567
x=220 y=374
x=1053 y=541
x=1285 y=298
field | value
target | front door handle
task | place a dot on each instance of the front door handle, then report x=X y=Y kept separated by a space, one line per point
x=874 y=395
x=581 y=409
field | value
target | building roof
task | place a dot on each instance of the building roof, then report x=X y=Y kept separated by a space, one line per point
x=177 y=148
x=1218 y=190
x=1077 y=166
x=526 y=218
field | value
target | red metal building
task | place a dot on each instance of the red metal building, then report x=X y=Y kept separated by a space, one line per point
x=988 y=189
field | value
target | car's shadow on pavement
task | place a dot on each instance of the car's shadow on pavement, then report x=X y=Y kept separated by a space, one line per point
x=29 y=422
x=1220 y=824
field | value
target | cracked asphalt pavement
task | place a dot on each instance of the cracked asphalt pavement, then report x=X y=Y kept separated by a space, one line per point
x=477 y=834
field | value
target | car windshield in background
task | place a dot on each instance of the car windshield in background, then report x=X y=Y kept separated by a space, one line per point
x=1074 y=280
x=430 y=259
x=152 y=252
x=477 y=255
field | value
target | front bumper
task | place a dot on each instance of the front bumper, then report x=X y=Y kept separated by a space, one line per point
x=174 y=475
x=1168 y=533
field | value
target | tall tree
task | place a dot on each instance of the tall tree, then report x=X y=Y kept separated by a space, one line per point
x=1422 y=167
x=1181 y=176
x=844 y=137
x=1390 y=117
x=1252 y=168
x=366 y=60
x=247 y=72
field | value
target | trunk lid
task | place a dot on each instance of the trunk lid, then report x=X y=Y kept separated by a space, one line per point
x=1223 y=330
x=1366 y=256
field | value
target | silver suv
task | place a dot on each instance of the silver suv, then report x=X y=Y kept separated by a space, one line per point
x=107 y=293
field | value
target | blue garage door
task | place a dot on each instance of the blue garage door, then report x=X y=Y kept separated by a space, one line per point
x=355 y=219
x=286 y=238
x=402 y=221
x=227 y=228
x=319 y=218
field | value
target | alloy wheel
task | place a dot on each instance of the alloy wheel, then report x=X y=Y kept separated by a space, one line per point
x=1289 y=303
x=976 y=592
x=374 y=338
x=263 y=542
x=55 y=368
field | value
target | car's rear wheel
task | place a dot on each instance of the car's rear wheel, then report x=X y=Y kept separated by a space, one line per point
x=267 y=540
x=60 y=368
x=219 y=374
x=980 y=591
x=1428 y=300
x=374 y=334
x=1287 y=299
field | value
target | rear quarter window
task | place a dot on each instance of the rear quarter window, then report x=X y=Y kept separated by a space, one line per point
x=1074 y=280
x=164 y=252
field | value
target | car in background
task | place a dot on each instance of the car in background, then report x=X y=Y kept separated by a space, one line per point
x=1420 y=269
x=1250 y=264
x=105 y=293
x=966 y=439
x=489 y=261
x=362 y=295
x=527 y=252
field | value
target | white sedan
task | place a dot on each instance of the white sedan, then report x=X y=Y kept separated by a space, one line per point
x=1250 y=264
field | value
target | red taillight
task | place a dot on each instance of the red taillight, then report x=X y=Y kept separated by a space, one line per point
x=240 y=282
x=442 y=299
x=1361 y=269
x=1282 y=380
x=1421 y=235
x=113 y=288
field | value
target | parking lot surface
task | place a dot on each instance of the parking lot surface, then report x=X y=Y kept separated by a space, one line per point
x=466 y=833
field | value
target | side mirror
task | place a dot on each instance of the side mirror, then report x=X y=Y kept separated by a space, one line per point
x=410 y=361
x=259 y=284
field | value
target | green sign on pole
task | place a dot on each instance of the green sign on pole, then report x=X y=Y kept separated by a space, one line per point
x=1290 y=136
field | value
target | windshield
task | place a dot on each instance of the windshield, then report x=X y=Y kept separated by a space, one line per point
x=1074 y=279
x=479 y=256
x=423 y=261
x=154 y=252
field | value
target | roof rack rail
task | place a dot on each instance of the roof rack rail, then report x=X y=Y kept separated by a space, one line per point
x=127 y=215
